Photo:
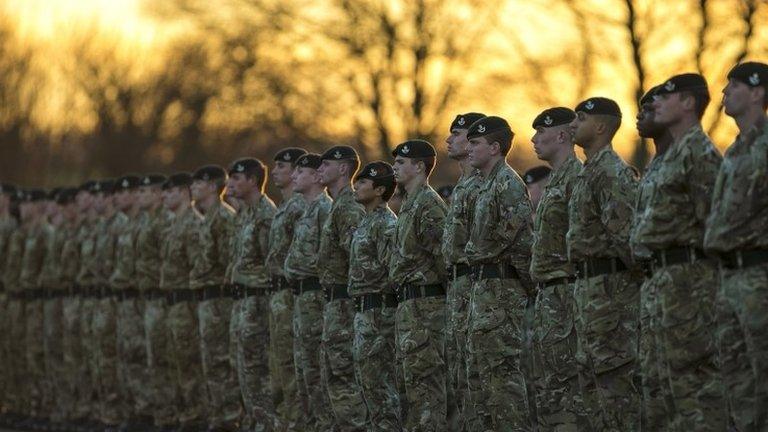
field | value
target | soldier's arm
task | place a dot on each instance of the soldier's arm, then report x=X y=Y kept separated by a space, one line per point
x=702 y=175
x=516 y=226
x=430 y=230
x=347 y=224
x=616 y=196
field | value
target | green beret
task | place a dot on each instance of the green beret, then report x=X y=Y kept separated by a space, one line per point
x=209 y=173
x=488 y=125
x=340 y=153
x=599 y=106
x=464 y=121
x=554 y=117
x=309 y=160
x=682 y=82
x=753 y=74
x=536 y=174
x=178 y=180
x=247 y=166
x=379 y=171
x=415 y=148
x=291 y=154
x=128 y=182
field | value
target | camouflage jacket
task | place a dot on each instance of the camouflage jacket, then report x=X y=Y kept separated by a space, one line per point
x=674 y=197
x=15 y=252
x=149 y=241
x=251 y=243
x=281 y=233
x=70 y=256
x=87 y=275
x=549 y=254
x=51 y=274
x=175 y=253
x=302 y=259
x=600 y=213
x=369 y=253
x=7 y=227
x=34 y=256
x=458 y=219
x=739 y=217
x=211 y=243
x=121 y=233
x=502 y=229
x=336 y=237
x=416 y=244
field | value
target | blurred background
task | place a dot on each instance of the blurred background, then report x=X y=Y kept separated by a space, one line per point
x=99 y=88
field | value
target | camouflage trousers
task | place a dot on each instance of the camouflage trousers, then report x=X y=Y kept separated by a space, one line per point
x=249 y=333
x=282 y=370
x=692 y=382
x=187 y=363
x=496 y=348
x=132 y=358
x=742 y=302
x=73 y=355
x=373 y=351
x=307 y=316
x=104 y=331
x=460 y=371
x=606 y=324
x=16 y=397
x=87 y=381
x=558 y=399
x=35 y=357
x=213 y=317
x=420 y=335
x=160 y=361
x=54 y=358
x=653 y=409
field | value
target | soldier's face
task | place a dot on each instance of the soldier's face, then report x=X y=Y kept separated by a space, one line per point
x=582 y=128
x=240 y=185
x=123 y=200
x=202 y=189
x=364 y=191
x=737 y=97
x=456 y=144
x=84 y=201
x=304 y=179
x=480 y=152
x=281 y=173
x=545 y=142
x=329 y=172
x=405 y=169
x=646 y=122
x=668 y=108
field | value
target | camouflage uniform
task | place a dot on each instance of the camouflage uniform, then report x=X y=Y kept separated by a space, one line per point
x=500 y=237
x=678 y=197
x=8 y=226
x=282 y=371
x=458 y=221
x=161 y=370
x=208 y=272
x=177 y=255
x=600 y=215
x=72 y=354
x=738 y=225
x=338 y=314
x=87 y=280
x=373 y=347
x=251 y=337
x=16 y=375
x=31 y=264
x=558 y=402
x=420 y=322
x=301 y=263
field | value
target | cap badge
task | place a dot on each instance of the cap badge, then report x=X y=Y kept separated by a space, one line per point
x=405 y=150
x=146 y=180
x=337 y=155
x=287 y=156
x=461 y=121
x=304 y=161
x=481 y=128
x=754 y=79
x=240 y=168
x=373 y=172
x=589 y=105
x=125 y=183
x=669 y=86
x=548 y=120
x=206 y=177
x=97 y=187
x=529 y=179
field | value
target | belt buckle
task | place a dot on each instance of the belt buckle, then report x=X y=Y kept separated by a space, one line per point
x=739 y=259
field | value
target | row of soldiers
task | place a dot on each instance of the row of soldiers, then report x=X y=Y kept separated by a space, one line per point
x=193 y=303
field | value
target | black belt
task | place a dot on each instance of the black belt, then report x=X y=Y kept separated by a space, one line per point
x=16 y=295
x=184 y=295
x=211 y=292
x=159 y=294
x=413 y=291
x=129 y=293
x=494 y=271
x=335 y=292
x=307 y=285
x=744 y=258
x=458 y=270
x=677 y=255
x=92 y=292
x=557 y=281
x=280 y=283
x=34 y=294
x=242 y=291
x=598 y=266
x=367 y=302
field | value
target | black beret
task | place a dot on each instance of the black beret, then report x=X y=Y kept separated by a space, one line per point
x=249 y=166
x=153 y=180
x=19 y=196
x=488 y=125
x=753 y=74
x=599 y=106
x=291 y=154
x=340 y=153
x=7 y=188
x=128 y=182
x=35 y=195
x=209 y=173
x=66 y=196
x=415 y=148
x=54 y=193
x=536 y=174
x=106 y=186
x=648 y=96
x=682 y=82
x=87 y=186
x=554 y=117
x=445 y=191
x=464 y=121
x=309 y=160
x=178 y=180
x=378 y=171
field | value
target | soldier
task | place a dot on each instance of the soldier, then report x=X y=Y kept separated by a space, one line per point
x=607 y=287
x=302 y=269
x=558 y=404
x=536 y=179
x=8 y=224
x=14 y=312
x=281 y=338
x=499 y=253
x=208 y=275
x=418 y=269
x=458 y=221
x=375 y=302
x=737 y=232
x=177 y=255
x=250 y=313
x=338 y=167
